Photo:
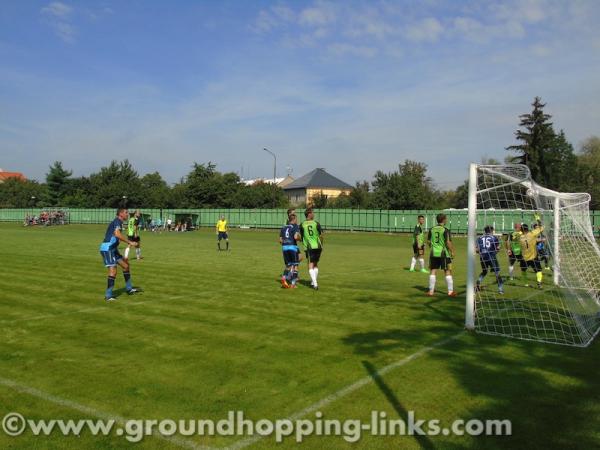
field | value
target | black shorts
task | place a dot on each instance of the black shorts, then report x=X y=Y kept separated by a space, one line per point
x=534 y=264
x=491 y=263
x=222 y=235
x=440 y=262
x=418 y=250
x=291 y=257
x=512 y=259
x=313 y=255
x=134 y=238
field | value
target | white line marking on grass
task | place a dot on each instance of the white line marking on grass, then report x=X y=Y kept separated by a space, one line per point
x=91 y=412
x=326 y=401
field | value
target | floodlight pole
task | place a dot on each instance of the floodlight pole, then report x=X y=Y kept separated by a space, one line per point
x=33 y=198
x=471 y=236
x=274 y=163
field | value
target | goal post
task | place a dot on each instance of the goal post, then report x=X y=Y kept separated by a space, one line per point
x=556 y=242
x=471 y=237
x=545 y=282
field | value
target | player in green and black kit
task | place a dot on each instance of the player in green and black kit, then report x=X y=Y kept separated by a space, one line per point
x=419 y=246
x=442 y=252
x=312 y=239
x=513 y=247
x=133 y=234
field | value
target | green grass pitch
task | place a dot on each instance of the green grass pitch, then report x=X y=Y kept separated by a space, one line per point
x=214 y=332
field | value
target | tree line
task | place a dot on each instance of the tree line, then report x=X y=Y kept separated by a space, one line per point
x=553 y=162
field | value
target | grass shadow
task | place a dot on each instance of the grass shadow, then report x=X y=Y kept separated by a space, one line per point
x=391 y=397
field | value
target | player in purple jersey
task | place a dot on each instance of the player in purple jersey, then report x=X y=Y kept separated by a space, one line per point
x=488 y=247
x=288 y=238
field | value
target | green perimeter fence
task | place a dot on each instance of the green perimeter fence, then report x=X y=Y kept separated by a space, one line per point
x=393 y=221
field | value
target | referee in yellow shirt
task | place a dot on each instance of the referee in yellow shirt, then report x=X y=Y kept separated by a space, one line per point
x=222 y=233
x=528 y=242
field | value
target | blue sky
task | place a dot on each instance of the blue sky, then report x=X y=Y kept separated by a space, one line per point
x=351 y=86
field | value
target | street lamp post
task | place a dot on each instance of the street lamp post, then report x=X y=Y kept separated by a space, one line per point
x=274 y=175
x=274 y=163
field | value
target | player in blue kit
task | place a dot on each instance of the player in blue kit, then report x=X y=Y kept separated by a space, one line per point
x=288 y=238
x=488 y=247
x=109 y=249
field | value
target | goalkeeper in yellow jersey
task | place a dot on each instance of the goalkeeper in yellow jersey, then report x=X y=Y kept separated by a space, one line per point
x=529 y=250
x=221 y=228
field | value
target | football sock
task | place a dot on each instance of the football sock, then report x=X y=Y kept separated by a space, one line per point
x=431 y=282
x=313 y=276
x=539 y=277
x=286 y=273
x=127 y=253
x=500 y=281
x=110 y=286
x=422 y=263
x=127 y=277
x=138 y=252
x=450 y=283
x=227 y=244
x=511 y=271
x=413 y=263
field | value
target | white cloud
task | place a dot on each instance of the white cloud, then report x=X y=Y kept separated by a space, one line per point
x=319 y=15
x=369 y=23
x=426 y=30
x=541 y=50
x=528 y=11
x=66 y=31
x=363 y=51
x=283 y=12
x=531 y=11
x=274 y=17
x=514 y=29
x=57 y=9
x=58 y=16
x=476 y=31
x=470 y=28
x=265 y=22
x=380 y=105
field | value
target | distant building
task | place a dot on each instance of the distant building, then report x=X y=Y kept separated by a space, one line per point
x=303 y=189
x=6 y=175
x=281 y=182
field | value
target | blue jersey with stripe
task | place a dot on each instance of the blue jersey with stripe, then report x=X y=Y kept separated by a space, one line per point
x=110 y=241
x=288 y=234
x=488 y=245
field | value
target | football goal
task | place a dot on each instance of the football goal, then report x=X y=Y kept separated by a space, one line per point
x=562 y=304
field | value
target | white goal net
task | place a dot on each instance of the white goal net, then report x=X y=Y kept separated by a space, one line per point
x=540 y=280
